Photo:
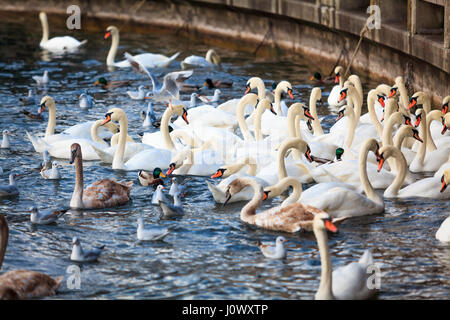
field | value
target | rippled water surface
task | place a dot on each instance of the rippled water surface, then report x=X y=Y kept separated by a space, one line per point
x=210 y=253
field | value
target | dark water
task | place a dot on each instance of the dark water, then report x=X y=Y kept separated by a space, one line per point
x=209 y=254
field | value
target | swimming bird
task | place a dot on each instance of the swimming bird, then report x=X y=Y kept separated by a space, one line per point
x=80 y=255
x=23 y=284
x=151 y=179
x=45 y=217
x=177 y=187
x=158 y=195
x=53 y=173
x=86 y=101
x=211 y=59
x=137 y=95
x=33 y=116
x=171 y=84
x=107 y=85
x=443 y=233
x=211 y=99
x=172 y=210
x=152 y=233
x=277 y=251
x=46 y=163
x=6 y=143
x=213 y=84
x=11 y=189
x=29 y=99
x=57 y=44
x=44 y=79
x=149 y=117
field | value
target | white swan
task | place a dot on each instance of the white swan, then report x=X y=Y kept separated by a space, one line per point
x=209 y=60
x=333 y=97
x=56 y=44
x=344 y=283
x=427 y=188
x=148 y=60
x=443 y=233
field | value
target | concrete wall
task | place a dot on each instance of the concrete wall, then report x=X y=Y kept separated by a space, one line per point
x=413 y=40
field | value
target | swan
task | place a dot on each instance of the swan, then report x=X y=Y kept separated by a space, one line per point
x=211 y=59
x=209 y=116
x=56 y=44
x=443 y=233
x=171 y=84
x=337 y=198
x=44 y=79
x=148 y=60
x=140 y=156
x=23 y=284
x=344 y=283
x=405 y=132
x=400 y=88
x=427 y=161
x=291 y=218
x=278 y=251
x=103 y=193
x=82 y=130
x=80 y=255
x=426 y=188
x=333 y=97
x=445 y=103
x=200 y=162
x=45 y=216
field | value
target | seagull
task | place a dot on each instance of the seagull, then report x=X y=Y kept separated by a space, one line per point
x=85 y=101
x=28 y=99
x=45 y=217
x=11 y=189
x=152 y=233
x=177 y=187
x=192 y=102
x=158 y=195
x=274 y=252
x=6 y=144
x=53 y=173
x=79 y=255
x=149 y=117
x=172 y=210
x=42 y=80
x=171 y=85
x=137 y=95
x=211 y=99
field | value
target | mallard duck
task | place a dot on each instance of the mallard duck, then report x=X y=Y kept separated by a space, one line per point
x=147 y=179
x=33 y=116
x=213 y=84
x=317 y=78
x=107 y=85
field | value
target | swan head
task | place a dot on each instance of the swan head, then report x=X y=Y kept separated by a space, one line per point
x=114 y=114
x=381 y=100
x=413 y=101
x=42 y=16
x=46 y=102
x=236 y=186
x=323 y=222
x=384 y=153
x=111 y=30
x=393 y=92
x=343 y=94
x=75 y=151
x=253 y=83
x=338 y=73
x=160 y=188
x=219 y=173
x=213 y=57
x=419 y=116
x=285 y=86
x=316 y=94
x=445 y=123
x=445 y=103
x=344 y=111
x=265 y=104
x=445 y=179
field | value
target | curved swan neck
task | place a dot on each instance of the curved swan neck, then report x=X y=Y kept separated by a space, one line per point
x=165 y=128
x=113 y=49
x=249 y=209
x=119 y=155
x=287 y=144
x=325 y=291
x=434 y=115
x=192 y=141
x=45 y=31
x=51 y=119
x=262 y=106
x=401 y=165
x=283 y=185
x=395 y=118
x=94 y=131
x=370 y=144
x=403 y=94
x=249 y=98
x=373 y=116
x=317 y=127
x=351 y=128
x=420 y=155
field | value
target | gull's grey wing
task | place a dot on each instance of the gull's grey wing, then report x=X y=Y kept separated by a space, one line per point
x=173 y=79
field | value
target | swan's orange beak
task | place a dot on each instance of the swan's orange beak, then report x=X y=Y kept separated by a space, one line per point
x=342 y=96
x=107 y=119
x=107 y=34
x=42 y=108
x=308 y=155
x=418 y=119
x=247 y=89
x=444 y=129
x=336 y=79
x=444 y=185
x=185 y=117
x=416 y=136
x=291 y=95
x=381 y=101
x=218 y=174
x=380 y=163
x=408 y=121
x=171 y=169
x=392 y=93
x=308 y=114
x=330 y=226
x=412 y=103
x=265 y=195
x=445 y=108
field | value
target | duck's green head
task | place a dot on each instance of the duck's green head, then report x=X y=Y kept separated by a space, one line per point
x=157 y=172
x=316 y=76
x=339 y=153
x=101 y=81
